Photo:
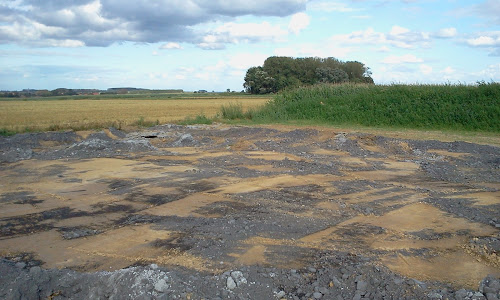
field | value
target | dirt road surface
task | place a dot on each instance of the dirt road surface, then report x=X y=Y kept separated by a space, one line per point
x=219 y=212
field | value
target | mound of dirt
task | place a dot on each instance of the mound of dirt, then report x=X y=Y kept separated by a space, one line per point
x=217 y=212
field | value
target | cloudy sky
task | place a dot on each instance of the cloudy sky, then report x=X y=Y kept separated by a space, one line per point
x=209 y=44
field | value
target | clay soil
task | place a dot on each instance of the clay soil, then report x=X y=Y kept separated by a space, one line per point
x=173 y=211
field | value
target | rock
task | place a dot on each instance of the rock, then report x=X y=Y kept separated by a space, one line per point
x=280 y=294
x=491 y=296
x=461 y=294
x=317 y=295
x=184 y=140
x=435 y=295
x=230 y=283
x=357 y=296
x=35 y=271
x=361 y=286
x=336 y=282
x=161 y=286
x=238 y=278
x=20 y=265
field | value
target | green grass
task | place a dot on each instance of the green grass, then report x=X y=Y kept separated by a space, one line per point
x=199 y=119
x=141 y=122
x=437 y=107
x=6 y=132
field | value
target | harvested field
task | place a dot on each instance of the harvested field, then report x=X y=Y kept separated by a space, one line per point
x=217 y=212
x=65 y=114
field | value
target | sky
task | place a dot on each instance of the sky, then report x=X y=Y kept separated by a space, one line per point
x=210 y=44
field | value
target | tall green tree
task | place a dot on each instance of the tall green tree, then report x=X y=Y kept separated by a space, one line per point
x=329 y=75
x=258 y=81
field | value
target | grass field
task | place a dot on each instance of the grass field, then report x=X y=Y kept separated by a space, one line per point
x=77 y=113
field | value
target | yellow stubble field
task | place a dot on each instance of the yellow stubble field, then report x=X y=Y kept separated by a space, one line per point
x=62 y=114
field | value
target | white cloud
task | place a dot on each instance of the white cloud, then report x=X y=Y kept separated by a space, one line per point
x=448 y=70
x=235 y=33
x=407 y=58
x=405 y=38
x=383 y=49
x=446 y=32
x=426 y=69
x=399 y=37
x=487 y=40
x=483 y=41
x=398 y=30
x=104 y=22
x=299 y=22
x=492 y=72
x=171 y=45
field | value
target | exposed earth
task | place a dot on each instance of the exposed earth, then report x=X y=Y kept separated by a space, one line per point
x=219 y=212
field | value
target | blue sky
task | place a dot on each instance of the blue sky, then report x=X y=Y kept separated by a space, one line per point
x=209 y=44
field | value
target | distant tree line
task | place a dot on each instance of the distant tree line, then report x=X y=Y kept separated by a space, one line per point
x=279 y=73
x=28 y=93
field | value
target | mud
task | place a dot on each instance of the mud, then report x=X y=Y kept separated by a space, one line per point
x=218 y=212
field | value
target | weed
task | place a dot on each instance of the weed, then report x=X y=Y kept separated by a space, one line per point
x=199 y=119
x=232 y=111
x=143 y=123
x=6 y=132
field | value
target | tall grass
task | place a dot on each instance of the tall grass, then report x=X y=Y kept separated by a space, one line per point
x=234 y=111
x=454 y=107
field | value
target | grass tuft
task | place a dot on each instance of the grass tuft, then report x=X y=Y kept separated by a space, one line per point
x=6 y=132
x=234 y=111
x=141 y=122
x=199 y=119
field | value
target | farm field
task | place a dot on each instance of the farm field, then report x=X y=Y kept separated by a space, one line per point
x=60 y=114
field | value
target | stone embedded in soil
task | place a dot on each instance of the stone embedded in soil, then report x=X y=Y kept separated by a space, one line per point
x=161 y=286
x=231 y=284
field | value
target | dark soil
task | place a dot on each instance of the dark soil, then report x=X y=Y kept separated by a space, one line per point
x=288 y=214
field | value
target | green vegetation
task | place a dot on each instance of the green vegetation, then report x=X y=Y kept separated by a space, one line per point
x=144 y=123
x=234 y=111
x=279 y=73
x=199 y=119
x=6 y=132
x=449 y=107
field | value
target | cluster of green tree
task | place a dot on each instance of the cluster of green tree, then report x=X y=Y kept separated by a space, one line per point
x=279 y=73
x=26 y=93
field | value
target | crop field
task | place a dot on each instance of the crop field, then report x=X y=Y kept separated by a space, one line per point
x=75 y=113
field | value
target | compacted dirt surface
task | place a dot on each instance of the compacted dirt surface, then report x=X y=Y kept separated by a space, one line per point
x=218 y=212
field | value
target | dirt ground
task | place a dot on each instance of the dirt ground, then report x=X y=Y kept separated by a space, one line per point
x=217 y=212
